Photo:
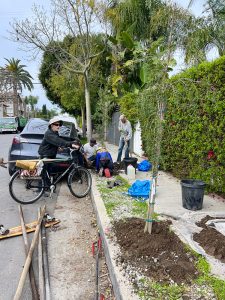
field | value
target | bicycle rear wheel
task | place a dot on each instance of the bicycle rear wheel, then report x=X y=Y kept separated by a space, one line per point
x=25 y=190
x=79 y=182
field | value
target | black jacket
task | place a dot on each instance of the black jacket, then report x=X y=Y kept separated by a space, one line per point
x=50 y=144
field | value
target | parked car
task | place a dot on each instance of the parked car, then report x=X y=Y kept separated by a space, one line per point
x=73 y=120
x=8 y=124
x=26 y=144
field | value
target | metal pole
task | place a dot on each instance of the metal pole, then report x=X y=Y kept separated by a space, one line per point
x=40 y=265
x=45 y=262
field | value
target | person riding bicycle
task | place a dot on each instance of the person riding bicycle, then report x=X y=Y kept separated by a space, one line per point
x=52 y=141
x=78 y=179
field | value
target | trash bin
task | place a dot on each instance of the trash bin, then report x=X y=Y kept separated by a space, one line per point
x=192 y=193
x=130 y=161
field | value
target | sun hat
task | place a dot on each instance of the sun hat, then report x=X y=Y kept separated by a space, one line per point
x=54 y=120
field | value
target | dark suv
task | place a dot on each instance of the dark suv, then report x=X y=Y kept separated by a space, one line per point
x=26 y=144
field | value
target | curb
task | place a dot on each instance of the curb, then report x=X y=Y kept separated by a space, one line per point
x=121 y=286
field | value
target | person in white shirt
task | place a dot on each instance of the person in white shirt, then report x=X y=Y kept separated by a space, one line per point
x=125 y=130
x=90 y=150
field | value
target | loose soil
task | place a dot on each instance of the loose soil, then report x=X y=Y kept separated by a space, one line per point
x=212 y=241
x=161 y=256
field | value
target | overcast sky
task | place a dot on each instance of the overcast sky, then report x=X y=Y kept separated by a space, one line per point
x=21 y=9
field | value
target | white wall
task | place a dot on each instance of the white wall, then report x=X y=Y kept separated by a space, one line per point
x=137 y=146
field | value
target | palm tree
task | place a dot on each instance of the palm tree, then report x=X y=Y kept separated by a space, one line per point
x=212 y=31
x=19 y=79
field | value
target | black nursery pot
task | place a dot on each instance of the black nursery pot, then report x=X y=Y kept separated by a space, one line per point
x=192 y=193
x=130 y=161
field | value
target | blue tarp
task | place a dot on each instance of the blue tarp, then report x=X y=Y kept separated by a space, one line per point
x=140 y=188
x=144 y=166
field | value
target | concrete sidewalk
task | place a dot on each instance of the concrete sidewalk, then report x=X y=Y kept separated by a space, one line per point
x=168 y=198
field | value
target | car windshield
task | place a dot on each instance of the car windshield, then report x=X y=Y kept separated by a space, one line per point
x=39 y=126
x=36 y=126
x=7 y=120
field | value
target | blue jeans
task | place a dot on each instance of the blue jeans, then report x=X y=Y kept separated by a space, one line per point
x=120 y=150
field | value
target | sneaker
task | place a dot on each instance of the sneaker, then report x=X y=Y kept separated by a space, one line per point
x=107 y=173
x=3 y=231
x=100 y=173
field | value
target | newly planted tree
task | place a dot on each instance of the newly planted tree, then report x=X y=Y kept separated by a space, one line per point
x=153 y=64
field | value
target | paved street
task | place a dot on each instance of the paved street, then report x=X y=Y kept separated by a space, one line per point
x=12 y=249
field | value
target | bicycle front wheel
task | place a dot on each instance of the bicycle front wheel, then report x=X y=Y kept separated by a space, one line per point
x=79 y=182
x=25 y=190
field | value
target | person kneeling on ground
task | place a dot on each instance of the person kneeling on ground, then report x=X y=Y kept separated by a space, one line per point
x=90 y=150
x=104 y=162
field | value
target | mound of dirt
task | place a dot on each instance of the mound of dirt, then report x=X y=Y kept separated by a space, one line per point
x=161 y=256
x=212 y=241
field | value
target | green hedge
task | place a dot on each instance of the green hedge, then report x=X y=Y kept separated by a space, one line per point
x=193 y=142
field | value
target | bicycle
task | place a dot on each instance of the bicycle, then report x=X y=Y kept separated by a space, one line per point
x=28 y=189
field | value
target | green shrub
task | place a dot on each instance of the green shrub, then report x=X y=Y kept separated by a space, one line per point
x=193 y=141
x=128 y=106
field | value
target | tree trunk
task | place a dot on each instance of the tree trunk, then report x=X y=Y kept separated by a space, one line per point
x=105 y=120
x=24 y=109
x=15 y=100
x=88 y=105
x=83 y=121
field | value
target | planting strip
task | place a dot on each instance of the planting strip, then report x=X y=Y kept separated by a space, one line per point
x=121 y=286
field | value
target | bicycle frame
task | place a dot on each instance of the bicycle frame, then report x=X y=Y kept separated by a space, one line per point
x=68 y=170
x=79 y=182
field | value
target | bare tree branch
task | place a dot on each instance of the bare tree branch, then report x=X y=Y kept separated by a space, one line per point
x=46 y=32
